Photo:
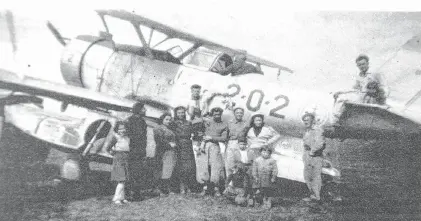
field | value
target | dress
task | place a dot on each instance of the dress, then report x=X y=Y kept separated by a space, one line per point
x=120 y=167
x=164 y=152
x=186 y=166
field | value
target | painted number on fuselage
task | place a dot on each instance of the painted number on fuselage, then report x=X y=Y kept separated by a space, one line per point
x=256 y=107
x=285 y=101
x=259 y=102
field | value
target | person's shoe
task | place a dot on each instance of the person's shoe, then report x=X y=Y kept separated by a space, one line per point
x=118 y=202
x=172 y=193
x=217 y=192
x=125 y=201
x=307 y=199
x=183 y=191
x=203 y=193
x=337 y=199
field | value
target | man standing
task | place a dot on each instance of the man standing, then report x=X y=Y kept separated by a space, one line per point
x=314 y=144
x=364 y=83
x=137 y=132
x=240 y=66
x=235 y=127
x=216 y=131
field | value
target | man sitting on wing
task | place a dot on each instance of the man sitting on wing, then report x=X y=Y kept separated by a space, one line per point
x=371 y=86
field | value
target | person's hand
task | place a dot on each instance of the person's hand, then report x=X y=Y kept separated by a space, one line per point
x=172 y=144
x=200 y=133
x=207 y=138
x=273 y=180
x=312 y=154
x=335 y=95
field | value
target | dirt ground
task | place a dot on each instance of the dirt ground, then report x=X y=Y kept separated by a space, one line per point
x=380 y=181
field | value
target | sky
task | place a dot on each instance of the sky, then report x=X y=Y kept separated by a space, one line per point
x=319 y=44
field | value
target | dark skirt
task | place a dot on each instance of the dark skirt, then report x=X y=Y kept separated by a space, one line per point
x=186 y=163
x=120 y=171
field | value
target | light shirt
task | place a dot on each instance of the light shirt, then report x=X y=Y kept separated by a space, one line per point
x=235 y=128
x=264 y=137
x=122 y=143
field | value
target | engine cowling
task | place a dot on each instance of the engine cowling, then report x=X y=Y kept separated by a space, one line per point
x=84 y=59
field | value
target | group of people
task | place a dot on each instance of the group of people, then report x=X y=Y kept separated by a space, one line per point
x=189 y=152
x=189 y=149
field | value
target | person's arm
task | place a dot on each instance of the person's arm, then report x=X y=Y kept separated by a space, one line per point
x=246 y=181
x=109 y=142
x=255 y=171
x=274 y=171
x=275 y=137
x=157 y=133
x=355 y=88
x=258 y=69
x=319 y=141
x=223 y=137
x=190 y=110
x=227 y=70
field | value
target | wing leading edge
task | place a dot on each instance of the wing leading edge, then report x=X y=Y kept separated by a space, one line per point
x=364 y=121
x=66 y=93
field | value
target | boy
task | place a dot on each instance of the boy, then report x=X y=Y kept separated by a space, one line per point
x=264 y=175
x=238 y=188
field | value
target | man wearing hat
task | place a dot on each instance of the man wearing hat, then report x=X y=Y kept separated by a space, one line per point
x=216 y=131
x=314 y=144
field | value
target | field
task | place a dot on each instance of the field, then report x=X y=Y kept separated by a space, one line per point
x=381 y=181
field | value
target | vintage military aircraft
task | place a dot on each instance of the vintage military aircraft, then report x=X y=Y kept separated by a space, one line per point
x=105 y=75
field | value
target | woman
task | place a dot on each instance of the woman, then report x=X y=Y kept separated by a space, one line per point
x=186 y=166
x=120 y=170
x=258 y=135
x=165 y=151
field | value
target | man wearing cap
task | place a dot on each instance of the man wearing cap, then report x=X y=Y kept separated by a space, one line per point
x=240 y=66
x=216 y=131
x=137 y=132
x=235 y=127
x=314 y=144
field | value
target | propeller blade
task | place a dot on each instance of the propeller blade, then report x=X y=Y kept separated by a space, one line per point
x=56 y=34
x=12 y=31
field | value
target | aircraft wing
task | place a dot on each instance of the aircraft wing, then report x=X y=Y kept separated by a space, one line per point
x=367 y=121
x=66 y=93
x=174 y=33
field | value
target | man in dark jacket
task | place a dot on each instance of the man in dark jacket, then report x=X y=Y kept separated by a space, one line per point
x=137 y=131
